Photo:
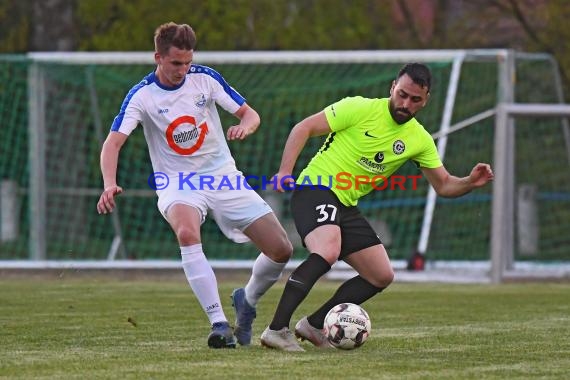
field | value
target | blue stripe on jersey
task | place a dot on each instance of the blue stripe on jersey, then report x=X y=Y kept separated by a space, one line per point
x=150 y=78
x=200 y=69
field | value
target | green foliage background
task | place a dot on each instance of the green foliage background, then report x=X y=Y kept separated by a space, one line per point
x=122 y=25
x=238 y=25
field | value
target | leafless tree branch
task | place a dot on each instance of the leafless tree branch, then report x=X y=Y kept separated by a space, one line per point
x=410 y=21
x=530 y=31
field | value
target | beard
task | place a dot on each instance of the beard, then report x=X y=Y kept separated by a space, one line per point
x=400 y=115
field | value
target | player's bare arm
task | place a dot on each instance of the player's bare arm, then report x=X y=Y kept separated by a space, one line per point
x=249 y=122
x=314 y=125
x=109 y=160
x=450 y=186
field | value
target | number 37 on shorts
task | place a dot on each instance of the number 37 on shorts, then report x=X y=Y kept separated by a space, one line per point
x=326 y=213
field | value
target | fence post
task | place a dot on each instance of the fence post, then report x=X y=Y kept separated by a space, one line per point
x=10 y=210
x=527 y=220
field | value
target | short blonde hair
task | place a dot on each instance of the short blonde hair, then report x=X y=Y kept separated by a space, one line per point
x=171 y=34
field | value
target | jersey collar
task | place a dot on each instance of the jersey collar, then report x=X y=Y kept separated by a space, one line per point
x=154 y=79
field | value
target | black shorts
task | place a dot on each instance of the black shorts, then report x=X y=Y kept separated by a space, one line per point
x=312 y=207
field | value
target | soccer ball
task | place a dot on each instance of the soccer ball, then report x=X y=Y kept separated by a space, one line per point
x=347 y=326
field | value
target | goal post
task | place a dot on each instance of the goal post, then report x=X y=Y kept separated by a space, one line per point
x=43 y=61
x=68 y=100
x=503 y=215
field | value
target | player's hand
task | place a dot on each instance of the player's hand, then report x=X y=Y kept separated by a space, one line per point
x=106 y=202
x=238 y=132
x=285 y=182
x=481 y=174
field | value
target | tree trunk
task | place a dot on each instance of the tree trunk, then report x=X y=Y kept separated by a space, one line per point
x=52 y=27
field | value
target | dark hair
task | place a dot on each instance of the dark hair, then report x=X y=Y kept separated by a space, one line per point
x=418 y=72
x=171 y=34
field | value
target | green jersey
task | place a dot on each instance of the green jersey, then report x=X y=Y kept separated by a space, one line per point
x=366 y=146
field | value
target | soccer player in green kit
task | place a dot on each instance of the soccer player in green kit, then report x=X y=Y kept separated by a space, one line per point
x=368 y=140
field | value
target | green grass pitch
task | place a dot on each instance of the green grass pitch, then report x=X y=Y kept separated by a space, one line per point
x=102 y=328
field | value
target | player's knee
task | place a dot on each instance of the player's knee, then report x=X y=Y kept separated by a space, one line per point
x=187 y=236
x=388 y=278
x=282 y=249
x=384 y=278
x=328 y=246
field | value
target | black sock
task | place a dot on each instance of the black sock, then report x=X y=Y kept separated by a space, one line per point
x=356 y=290
x=297 y=287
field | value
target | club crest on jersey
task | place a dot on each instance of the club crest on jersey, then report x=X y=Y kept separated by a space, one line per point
x=398 y=147
x=200 y=100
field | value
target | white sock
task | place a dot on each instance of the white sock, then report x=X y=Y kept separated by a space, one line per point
x=264 y=274
x=203 y=281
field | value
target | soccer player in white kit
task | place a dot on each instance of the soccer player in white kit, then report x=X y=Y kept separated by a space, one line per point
x=176 y=105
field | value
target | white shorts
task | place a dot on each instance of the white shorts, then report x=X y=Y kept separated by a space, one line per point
x=233 y=209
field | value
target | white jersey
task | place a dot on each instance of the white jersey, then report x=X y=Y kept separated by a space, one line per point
x=181 y=124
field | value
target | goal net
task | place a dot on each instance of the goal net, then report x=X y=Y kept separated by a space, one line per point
x=56 y=108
